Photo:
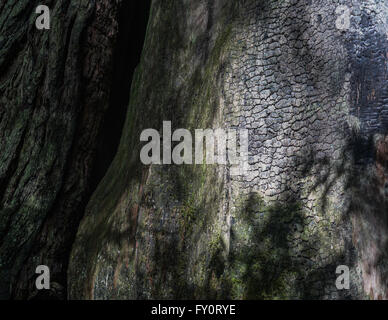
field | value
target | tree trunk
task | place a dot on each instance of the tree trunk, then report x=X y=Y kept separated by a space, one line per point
x=306 y=78
x=60 y=91
x=310 y=85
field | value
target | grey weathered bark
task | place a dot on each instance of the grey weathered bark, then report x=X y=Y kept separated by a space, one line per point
x=313 y=95
x=55 y=92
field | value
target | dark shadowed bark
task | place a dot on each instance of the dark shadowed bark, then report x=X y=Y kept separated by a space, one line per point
x=60 y=92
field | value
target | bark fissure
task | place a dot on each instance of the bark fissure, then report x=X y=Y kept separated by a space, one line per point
x=57 y=87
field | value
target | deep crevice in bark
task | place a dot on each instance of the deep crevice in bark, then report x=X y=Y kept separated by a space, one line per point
x=78 y=107
x=132 y=25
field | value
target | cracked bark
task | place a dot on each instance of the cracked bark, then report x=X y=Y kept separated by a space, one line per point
x=314 y=99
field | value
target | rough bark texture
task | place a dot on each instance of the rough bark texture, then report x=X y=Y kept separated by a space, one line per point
x=313 y=96
x=55 y=91
x=315 y=100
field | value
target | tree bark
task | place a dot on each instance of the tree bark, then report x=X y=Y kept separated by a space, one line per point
x=312 y=91
x=306 y=78
x=56 y=88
